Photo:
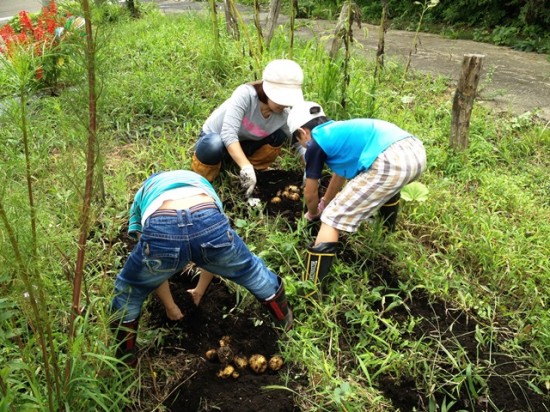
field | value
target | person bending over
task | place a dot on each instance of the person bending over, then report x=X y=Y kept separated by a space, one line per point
x=376 y=159
x=178 y=218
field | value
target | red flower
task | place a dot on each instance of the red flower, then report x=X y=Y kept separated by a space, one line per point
x=7 y=32
x=53 y=7
x=25 y=21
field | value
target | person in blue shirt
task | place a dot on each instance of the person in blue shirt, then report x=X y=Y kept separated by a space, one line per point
x=178 y=218
x=371 y=161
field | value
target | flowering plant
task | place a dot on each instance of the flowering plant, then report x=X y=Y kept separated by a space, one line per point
x=39 y=36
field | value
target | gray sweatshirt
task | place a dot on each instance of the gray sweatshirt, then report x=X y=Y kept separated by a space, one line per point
x=239 y=118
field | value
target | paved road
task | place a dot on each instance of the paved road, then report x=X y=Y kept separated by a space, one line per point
x=511 y=81
x=9 y=8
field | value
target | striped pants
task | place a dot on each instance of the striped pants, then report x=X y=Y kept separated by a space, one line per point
x=401 y=163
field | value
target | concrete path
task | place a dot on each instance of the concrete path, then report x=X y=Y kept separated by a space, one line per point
x=9 y=8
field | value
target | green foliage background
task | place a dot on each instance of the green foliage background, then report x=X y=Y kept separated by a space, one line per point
x=479 y=243
x=522 y=24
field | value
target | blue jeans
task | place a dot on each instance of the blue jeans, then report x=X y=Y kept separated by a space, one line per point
x=169 y=243
x=210 y=149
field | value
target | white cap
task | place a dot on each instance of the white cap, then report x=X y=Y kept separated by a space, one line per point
x=302 y=113
x=282 y=82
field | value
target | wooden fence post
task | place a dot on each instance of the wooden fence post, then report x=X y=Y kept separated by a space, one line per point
x=464 y=100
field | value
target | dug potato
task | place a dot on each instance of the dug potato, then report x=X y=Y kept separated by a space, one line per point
x=276 y=363
x=225 y=341
x=225 y=354
x=211 y=354
x=226 y=372
x=294 y=196
x=258 y=363
x=240 y=362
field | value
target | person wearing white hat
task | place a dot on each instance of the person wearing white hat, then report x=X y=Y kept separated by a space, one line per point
x=376 y=159
x=250 y=127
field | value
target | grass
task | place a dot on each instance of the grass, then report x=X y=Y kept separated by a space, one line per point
x=479 y=243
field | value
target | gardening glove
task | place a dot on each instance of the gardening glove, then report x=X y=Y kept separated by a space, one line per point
x=248 y=179
x=321 y=206
x=311 y=217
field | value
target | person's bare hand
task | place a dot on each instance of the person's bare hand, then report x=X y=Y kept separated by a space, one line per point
x=174 y=313
x=195 y=295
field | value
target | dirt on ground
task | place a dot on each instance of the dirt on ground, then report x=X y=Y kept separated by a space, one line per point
x=177 y=374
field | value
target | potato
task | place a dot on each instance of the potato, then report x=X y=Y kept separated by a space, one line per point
x=225 y=355
x=276 y=363
x=286 y=194
x=235 y=375
x=258 y=363
x=240 y=362
x=293 y=189
x=211 y=354
x=225 y=341
x=226 y=372
x=276 y=199
x=294 y=196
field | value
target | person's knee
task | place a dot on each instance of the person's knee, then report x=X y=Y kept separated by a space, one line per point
x=210 y=149
x=278 y=138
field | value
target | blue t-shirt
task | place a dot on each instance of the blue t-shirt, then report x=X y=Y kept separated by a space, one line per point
x=352 y=146
x=161 y=182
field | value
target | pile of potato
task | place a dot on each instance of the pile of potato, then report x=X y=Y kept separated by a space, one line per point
x=290 y=192
x=231 y=363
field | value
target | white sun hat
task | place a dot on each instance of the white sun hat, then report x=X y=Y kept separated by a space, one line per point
x=282 y=82
x=302 y=113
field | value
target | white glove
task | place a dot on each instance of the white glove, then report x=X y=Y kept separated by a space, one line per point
x=321 y=206
x=312 y=218
x=248 y=179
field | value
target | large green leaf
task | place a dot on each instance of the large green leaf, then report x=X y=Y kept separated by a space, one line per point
x=415 y=191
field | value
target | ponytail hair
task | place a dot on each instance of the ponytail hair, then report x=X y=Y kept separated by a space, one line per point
x=259 y=87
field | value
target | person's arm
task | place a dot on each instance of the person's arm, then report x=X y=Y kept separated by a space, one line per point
x=235 y=111
x=172 y=310
x=336 y=183
x=204 y=280
x=236 y=152
x=311 y=196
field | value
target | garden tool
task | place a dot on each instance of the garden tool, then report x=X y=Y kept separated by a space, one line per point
x=264 y=157
x=278 y=307
x=388 y=212
x=209 y=172
x=126 y=337
x=319 y=261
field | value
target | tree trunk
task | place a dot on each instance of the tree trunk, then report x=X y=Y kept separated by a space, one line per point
x=132 y=7
x=231 y=19
x=272 y=17
x=343 y=31
x=464 y=100
x=382 y=35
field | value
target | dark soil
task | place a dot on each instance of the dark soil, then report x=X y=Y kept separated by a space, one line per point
x=201 y=329
x=503 y=380
x=183 y=380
